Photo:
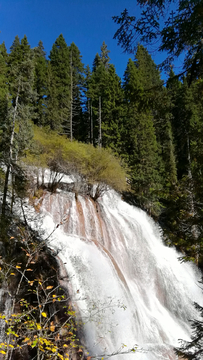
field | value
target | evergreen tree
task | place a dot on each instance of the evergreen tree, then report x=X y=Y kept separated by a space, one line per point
x=96 y=62
x=97 y=85
x=153 y=96
x=65 y=79
x=193 y=350
x=176 y=32
x=86 y=128
x=76 y=85
x=139 y=140
x=4 y=91
x=104 y=56
x=59 y=87
x=112 y=111
x=182 y=218
x=52 y=118
x=40 y=83
x=18 y=132
x=105 y=97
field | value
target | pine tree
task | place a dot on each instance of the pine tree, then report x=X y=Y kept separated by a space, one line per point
x=182 y=217
x=105 y=99
x=154 y=97
x=40 y=83
x=112 y=111
x=139 y=139
x=193 y=350
x=18 y=132
x=4 y=91
x=52 y=118
x=86 y=128
x=97 y=85
x=59 y=87
x=76 y=84
x=104 y=55
x=96 y=62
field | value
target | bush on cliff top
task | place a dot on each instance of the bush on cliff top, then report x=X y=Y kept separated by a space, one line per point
x=93 y=165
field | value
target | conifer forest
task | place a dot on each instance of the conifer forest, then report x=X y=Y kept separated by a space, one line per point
x=139 y=135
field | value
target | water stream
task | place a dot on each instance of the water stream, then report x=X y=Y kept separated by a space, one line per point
x=127 y=286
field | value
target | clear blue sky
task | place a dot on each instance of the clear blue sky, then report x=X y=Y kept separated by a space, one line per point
x=87 y=23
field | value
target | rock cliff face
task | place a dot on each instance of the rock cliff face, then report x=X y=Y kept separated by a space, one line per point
x=127 y=286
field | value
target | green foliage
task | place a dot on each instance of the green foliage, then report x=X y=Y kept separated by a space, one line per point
x=40 y=83
x=177 y=31
x=192 y=350
x=58 y=95
x=105 y=84
x=64 y=87
x=139 y=140
x=91 y=164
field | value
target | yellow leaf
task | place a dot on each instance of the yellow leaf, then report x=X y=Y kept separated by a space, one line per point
x=2 y=352
x=44 y=314
x=49 y=287
x=26 y=339
x=38 y=326
x=12 y=273
x=18 y=267
x=29 y=270
x=52 y=328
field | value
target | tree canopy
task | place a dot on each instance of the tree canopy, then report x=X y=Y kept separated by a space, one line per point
x=174 y=26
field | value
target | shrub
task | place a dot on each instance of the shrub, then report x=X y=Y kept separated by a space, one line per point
x=95 y=166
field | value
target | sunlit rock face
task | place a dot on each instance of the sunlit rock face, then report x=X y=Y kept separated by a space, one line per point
x=128 y=288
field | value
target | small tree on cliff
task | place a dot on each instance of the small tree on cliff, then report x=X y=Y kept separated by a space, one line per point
x=193 y=350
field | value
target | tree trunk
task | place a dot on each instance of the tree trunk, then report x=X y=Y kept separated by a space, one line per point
x=71 y=98
x=91 y=117
x=9 y=166
x=100 y=134
x=194 y=229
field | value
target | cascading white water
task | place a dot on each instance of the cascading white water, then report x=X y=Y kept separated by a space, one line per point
x=128 y=287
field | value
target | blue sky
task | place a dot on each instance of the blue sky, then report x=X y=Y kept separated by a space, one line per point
x=87 y=23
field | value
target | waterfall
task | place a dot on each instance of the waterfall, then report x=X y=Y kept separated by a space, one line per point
x=128 y=288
